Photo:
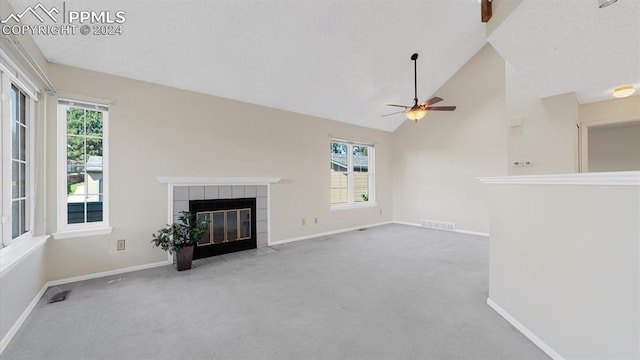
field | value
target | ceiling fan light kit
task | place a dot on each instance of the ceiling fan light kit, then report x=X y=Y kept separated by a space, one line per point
x=623 y=91
x=416 y=114
x=418 y=111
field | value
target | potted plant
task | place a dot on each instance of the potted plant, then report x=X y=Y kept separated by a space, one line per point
x=181 y=237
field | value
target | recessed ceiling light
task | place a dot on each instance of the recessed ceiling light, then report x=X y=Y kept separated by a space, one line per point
x=605 y=3
x=623 y=91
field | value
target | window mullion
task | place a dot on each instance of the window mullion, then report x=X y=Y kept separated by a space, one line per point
x=350 y=176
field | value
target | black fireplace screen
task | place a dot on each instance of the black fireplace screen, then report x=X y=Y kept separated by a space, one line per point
x=232 y=225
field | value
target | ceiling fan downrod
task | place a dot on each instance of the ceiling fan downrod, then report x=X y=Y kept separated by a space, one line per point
x=414 y=57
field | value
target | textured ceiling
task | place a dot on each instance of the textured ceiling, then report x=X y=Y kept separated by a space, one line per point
x=561 y=46
x=341 y=60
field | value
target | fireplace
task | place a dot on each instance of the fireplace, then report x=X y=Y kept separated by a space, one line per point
x=228 y=204
x=232 y=225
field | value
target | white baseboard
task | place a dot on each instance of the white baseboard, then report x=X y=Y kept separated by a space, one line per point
x=14 y=329
x=526 y=332
x=408 y=224
x=325 y=233
x=468 y=232
x=107 y=273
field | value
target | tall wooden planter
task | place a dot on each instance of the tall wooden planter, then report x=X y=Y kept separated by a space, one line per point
x=184 y=258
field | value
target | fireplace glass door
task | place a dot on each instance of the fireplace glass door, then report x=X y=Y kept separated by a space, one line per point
x=232 y=225
x=225 y=226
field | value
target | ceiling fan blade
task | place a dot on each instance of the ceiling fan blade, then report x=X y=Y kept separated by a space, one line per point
x=433 y=100
x=403 y=106
x=394 y=113
x=440 y=108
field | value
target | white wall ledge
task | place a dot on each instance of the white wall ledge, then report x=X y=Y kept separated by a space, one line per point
x=217 y=180
x=618 y=178
x=13 y=254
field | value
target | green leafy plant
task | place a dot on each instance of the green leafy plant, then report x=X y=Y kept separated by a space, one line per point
x=186 y=232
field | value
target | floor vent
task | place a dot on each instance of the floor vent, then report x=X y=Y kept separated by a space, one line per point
x=438 y=225
x=57 y=295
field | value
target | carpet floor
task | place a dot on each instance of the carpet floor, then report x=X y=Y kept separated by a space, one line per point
x=389 y=292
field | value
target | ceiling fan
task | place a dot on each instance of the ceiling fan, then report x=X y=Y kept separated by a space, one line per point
x=418 y=111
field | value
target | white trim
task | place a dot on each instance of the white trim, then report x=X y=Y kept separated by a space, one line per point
x=203 y=181
x=25 y=314
x=269 y=220
x=619 y=178
x=355 y=205
x=61 y=174
x=347 y=140
x=410 y=224
x=84 y=232
x=16 y=326
x=526 y=332
x=107 y=273
x=11 y=256
x=170 y=189
x=270 y=243
x=18 y=76
x=63 y=95
x=468 y=232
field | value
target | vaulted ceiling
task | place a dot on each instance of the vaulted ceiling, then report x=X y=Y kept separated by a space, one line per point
x=343 y=60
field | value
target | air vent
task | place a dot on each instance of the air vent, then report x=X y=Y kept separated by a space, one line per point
x=438 y=225
x=55 y=295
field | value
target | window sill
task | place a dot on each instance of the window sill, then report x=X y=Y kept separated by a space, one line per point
x=13 y=254
x=69 y=234
x=353 y=206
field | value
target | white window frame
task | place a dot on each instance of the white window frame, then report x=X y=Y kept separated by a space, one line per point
x=351 y=203
x=103 y=227
x=10 y=74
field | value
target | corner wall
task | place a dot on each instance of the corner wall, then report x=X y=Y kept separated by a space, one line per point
x=541 y=131
x=436 y=161
x=160 y=131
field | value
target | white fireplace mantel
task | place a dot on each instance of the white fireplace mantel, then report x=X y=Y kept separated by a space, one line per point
x=217 y=180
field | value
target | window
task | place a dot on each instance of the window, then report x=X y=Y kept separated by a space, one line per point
x=83 y=166
x=16 y=114
x=352 y=175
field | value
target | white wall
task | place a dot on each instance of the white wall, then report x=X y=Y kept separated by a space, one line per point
x=20 y=284
x=605 y=113
x=611 y=111
x=162 y=131
x=437 y=159
x=614 y=148
x=564 y=262
x=542 y=131
x=19 y=287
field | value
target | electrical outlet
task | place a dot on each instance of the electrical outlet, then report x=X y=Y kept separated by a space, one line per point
x=315 y=220
x=120 y=245
x=304 y=221
x=517 y=164
x=528 y=163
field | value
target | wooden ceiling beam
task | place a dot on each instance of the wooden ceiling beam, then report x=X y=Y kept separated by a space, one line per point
x=486 y=10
